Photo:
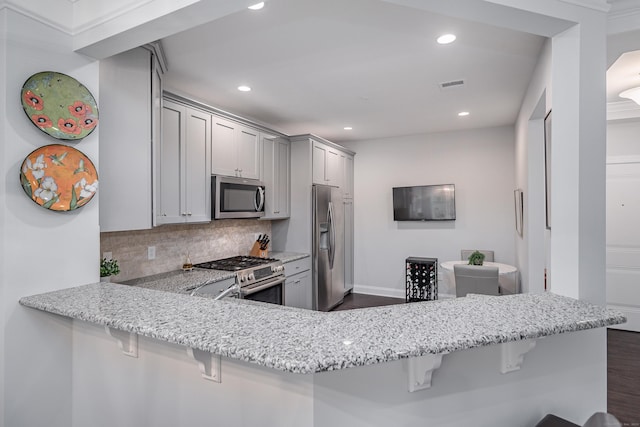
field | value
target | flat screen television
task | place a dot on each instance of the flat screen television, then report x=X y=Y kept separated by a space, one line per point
x=424 y=203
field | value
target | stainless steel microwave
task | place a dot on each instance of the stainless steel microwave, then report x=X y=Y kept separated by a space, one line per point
x=236 y=197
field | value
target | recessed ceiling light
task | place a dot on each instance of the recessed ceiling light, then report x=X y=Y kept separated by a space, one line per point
x=463 y=113
x=244 y=88
x=348 y=128
x=446 y=38
x=257 y=6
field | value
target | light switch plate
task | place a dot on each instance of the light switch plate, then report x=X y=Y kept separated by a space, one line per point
x=151 y=252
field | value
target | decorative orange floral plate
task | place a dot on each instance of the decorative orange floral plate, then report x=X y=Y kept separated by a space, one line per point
x=59 y=105
x=59 y=177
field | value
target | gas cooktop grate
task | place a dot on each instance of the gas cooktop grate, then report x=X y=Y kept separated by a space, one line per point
x=235 y=263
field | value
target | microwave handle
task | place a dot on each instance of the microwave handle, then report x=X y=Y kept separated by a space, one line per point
x=258 y=203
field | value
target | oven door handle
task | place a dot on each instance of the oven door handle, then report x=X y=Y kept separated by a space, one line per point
x=267 y=285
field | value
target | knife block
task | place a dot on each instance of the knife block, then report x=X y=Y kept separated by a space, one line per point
x=260 y=253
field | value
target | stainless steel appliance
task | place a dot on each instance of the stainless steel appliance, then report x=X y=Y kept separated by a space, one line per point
x=236 y=197
x=328 y=247
x=257 y=279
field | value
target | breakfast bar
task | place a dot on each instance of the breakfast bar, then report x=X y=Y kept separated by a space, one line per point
x=444 y=348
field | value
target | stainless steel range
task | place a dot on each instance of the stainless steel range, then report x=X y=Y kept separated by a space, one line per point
x=258 y=279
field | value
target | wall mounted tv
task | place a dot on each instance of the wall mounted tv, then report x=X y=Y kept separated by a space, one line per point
x=424 y=203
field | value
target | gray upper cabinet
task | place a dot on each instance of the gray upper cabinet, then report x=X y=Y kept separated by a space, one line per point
x=235 y=149
x=346 y=161
x=276 y=175
x=326 y=165
x=183 y=190
x=130 y=93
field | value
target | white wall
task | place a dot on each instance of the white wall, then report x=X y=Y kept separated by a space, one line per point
x=3 y=246
x=479 y=163
x=622 y=138
x=41 y=250
x=623 y=210
x=531 y=253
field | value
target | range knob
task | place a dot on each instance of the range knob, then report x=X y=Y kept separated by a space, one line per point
x=280 y=268
x=252 y=276
x=241 y=277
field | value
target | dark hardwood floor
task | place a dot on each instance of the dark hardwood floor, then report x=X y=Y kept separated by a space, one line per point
x=352 y=301
x=623 y=362
x=623 y=376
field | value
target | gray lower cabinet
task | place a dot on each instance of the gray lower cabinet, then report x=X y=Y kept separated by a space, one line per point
x=298 y=291
x=298 y=287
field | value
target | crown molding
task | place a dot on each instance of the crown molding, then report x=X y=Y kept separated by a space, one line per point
x=114 y=14
x=157 y=49
x=37 y=17
x=599 y=5
x=621 y=110
x=624 y=9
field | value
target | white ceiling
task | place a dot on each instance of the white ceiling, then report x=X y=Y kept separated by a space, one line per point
x=316 y=66
x=623 y=74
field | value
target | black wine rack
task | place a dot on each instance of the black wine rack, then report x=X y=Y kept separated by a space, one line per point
x=421 y=279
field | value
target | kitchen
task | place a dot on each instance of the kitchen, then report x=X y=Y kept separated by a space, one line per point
x=85 y=270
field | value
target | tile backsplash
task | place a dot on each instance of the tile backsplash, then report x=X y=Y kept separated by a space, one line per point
x=202 y=242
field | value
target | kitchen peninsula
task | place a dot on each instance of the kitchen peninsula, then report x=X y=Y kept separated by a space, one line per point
x=392 y=350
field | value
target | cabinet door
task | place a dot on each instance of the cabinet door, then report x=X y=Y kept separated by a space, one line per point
x=269 y=175
x=156 y=131
x=318 y=166
x=333 y=171
x=283 y=174
x=126 y=112
x=223 y=147
x=197 y=173
x=292 y=296
x=248 y=152
x=298 y=291
x=348 y=245
x=347 y=181
x=170 y=170
x=306 y=290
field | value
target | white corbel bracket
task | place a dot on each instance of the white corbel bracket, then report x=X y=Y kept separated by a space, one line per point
x=208 y=363
x=421 y=369
x=512 y=354
x=127 y=341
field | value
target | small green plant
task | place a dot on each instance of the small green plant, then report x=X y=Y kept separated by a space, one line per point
x=109 y=267
x=476 y=258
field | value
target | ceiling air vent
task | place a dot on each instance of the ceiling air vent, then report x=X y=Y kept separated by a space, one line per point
x=452 y=83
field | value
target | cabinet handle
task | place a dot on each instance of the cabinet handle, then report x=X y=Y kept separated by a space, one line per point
x=184 y=214
x=297 y=281
x=188 y=213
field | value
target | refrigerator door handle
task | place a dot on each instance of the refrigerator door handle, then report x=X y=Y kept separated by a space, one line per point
x=332 y=236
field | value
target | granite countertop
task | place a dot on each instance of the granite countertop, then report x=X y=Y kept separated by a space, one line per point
x=304 y=341
x=180 y=281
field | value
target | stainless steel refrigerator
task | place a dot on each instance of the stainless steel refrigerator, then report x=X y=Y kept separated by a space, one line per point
x=328 y=247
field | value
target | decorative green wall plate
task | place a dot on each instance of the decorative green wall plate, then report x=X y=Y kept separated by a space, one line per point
x=59 y=105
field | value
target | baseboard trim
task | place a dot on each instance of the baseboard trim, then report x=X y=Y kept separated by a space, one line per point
x=633 y=317
x=389 y=292
x=383 y=292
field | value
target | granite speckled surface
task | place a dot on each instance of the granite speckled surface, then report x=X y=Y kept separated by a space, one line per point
x=304 y=341
x=184 y=281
